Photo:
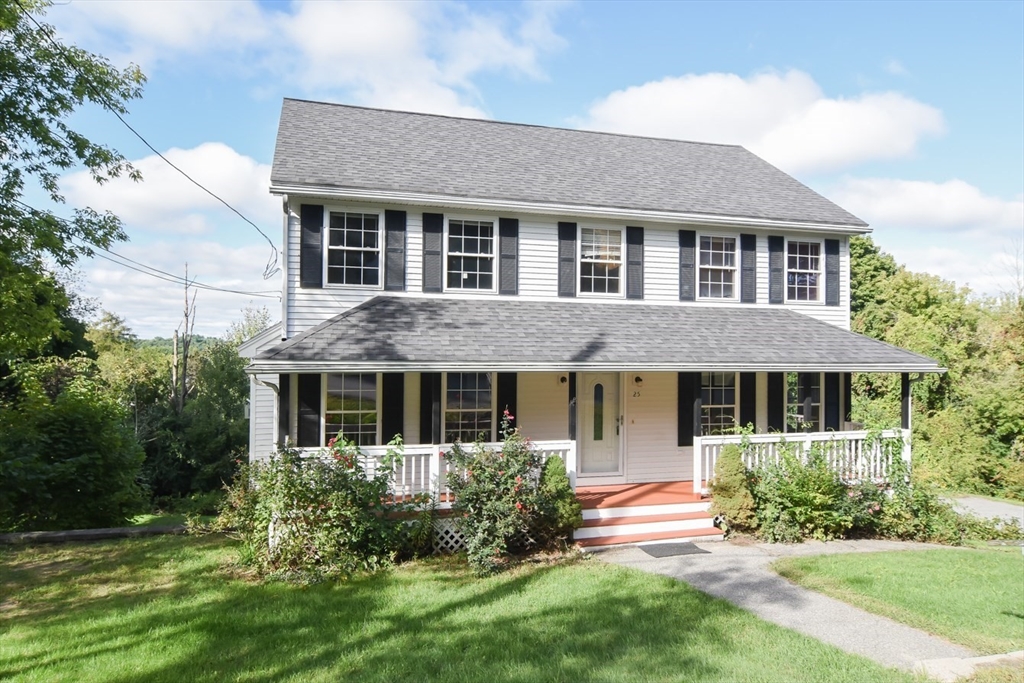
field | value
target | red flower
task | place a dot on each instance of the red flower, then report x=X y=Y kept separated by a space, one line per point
x=519 y=506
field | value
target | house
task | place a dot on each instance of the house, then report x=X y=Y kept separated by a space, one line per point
x=629 y=300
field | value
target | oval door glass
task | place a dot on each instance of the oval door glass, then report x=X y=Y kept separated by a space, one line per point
x=598 y=412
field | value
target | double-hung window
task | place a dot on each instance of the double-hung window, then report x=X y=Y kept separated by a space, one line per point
x=470 y=254
x=353 y=248
x=468 y=407
x=717 y=402
x=717 y=275
x=803 y=271
x=600 y=261
x=350 y=409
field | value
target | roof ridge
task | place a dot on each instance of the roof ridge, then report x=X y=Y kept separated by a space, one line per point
x=516 y=123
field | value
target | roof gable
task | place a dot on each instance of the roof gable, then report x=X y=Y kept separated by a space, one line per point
x=322 y=145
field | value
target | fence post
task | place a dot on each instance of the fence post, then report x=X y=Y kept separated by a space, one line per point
x=698 y=465
x=570 y=464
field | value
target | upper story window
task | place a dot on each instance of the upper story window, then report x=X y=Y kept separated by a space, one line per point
x=717 y=402
x=469 y=407
x=350 y=408
x=353 y=249
x=470 y=254
x=717 y=275
x=600 y=261
x=803 y=271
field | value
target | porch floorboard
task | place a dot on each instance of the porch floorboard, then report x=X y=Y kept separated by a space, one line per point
x=629 y=495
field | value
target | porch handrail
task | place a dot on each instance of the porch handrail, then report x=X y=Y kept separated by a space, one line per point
x=856 y=455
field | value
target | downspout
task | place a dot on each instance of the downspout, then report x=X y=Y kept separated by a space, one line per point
x=286 y=209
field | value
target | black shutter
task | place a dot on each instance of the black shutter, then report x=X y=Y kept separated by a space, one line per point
x=508 y=248
x=688 y=406
x=748 y=269
x=507 y=390
x=430 y=407
x=394 y=251
x=433 y=253
x=687 y=266
x=905 y=400
x=776 y=269
x=566 y=259
x=634 y=263
x=831 y=272
x=284 y=406
x=572 y=406
x=777 y=401
x=831 y=399
x=848 y=396
x=311 y=247
x=748 y=398
x=392 y=405
x=309 y=411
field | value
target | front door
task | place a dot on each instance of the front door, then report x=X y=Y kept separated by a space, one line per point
x=599 y=424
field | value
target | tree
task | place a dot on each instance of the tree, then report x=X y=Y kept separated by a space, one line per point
x=254 y=320
x=43 y=83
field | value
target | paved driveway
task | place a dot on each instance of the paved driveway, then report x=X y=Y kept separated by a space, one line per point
x=983 y=507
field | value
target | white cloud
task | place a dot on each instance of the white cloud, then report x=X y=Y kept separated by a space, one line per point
x=420 y=56
x=896 y=68
x=783 y=117
x=165 y=201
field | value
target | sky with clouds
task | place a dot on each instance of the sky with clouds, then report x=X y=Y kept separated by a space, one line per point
x=910 y=115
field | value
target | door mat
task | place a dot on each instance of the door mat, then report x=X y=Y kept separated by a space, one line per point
x=672 y=549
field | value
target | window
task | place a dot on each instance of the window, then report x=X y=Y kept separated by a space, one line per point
x=600 y=261
x=598 y=412
x=468 y=410
x=800 y=386
x=717 y=402
x=803 y=271
x=353 y=249
x=470 y=254
x=717 y=277
x=351 y=408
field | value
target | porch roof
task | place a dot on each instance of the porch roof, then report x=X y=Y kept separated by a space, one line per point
x=409 y=333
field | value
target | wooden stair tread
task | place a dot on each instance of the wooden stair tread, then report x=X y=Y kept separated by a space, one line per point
x=652 y=536
x=645 y=519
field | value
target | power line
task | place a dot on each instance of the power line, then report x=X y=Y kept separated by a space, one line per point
x=271 y=268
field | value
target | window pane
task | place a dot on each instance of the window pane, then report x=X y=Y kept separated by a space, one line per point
x=598 y=412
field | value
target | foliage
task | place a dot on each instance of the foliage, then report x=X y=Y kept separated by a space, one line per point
x=560 y=510
x=67 y=460
x=324 y=517
x=730 y=491
x=797 y=500
x=496 y=497
x=45 y=83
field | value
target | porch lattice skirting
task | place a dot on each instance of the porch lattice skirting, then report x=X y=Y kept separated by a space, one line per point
x=447 y=537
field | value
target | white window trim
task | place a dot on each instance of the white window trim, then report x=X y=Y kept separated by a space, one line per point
x=820 y=301
x=495 y=425
x=621 y=294
x=735 y=406
x=736 y=269
x=494 y=255
x=323 y=403
x=325 y=241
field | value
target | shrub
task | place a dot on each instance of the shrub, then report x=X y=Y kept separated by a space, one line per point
x=797 y=500
x=323 y=517
x=67 y=459
x=560 y=511
x=730 y=491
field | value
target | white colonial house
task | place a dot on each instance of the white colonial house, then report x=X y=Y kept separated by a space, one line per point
x=629 y=300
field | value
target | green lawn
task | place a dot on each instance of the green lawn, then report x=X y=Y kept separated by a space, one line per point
x=173 y=609
x=158 y=519
x=972 y=597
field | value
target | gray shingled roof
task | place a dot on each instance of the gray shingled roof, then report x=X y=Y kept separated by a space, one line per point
x=415 y=333
x=339 y=146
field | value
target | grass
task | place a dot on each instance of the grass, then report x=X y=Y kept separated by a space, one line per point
x=174 y=609
x=974 y=597
x=158 y=519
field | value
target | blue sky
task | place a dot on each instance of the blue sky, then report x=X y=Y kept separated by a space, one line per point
x=911 y=115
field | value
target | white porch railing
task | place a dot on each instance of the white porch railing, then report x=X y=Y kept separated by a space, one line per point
x=425 y=469
x=856 y=455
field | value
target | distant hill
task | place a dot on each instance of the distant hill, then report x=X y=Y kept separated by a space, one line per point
x=166 y=344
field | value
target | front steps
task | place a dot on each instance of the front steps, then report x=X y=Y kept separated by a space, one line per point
x=605 y=526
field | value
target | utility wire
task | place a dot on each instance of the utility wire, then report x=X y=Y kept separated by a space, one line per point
x=271 y=268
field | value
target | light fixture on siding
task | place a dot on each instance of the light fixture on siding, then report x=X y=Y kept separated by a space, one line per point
x=563 y=379
x=638 y=380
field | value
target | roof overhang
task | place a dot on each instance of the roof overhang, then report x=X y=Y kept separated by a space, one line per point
x=605 y=212
x=426 y=334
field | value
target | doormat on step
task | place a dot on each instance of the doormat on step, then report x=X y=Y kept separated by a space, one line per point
x=672 y=549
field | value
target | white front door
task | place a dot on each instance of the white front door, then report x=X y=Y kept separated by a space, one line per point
x=599 y=424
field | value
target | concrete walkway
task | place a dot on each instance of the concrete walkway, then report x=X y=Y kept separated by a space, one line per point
x=983 y=507
x=740 y=574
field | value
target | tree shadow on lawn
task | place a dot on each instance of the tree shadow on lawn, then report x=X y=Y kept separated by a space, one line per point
x=427 y=621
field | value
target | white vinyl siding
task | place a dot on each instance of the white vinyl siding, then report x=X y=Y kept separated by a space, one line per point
x=542 y=405
x=411 y=408
x=651 y=432
x=538 y=256
x=262 y=417
x=661 y=264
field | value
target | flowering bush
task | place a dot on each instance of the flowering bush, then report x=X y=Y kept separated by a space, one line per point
x=500 y=504
x=311 y=518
